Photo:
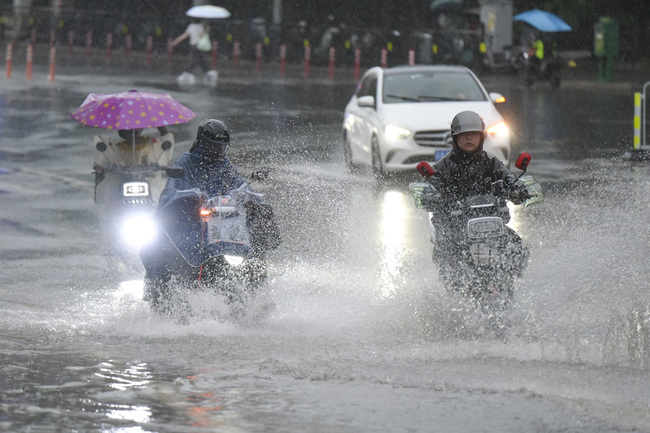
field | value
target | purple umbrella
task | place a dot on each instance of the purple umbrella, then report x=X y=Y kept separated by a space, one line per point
x=131 y=110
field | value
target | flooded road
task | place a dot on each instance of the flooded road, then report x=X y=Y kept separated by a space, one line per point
x=362 y=336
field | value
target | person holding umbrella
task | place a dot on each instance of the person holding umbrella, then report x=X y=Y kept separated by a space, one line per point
x=195 y=32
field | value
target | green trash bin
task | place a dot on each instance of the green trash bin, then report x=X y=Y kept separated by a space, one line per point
x=606 y=47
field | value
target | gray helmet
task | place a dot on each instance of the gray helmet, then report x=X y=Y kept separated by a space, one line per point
x=213 y=138
x=467 y=121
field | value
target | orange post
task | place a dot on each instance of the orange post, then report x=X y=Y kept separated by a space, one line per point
x=215 y=54
x=129 y=46
x=149 y=59
x=50 y=77
x=258 y=57
x=236 y=55
x=30 y=58
x=8 y=59
x=109 y=47
x=283 y=58
x=357 y=63
x=307 y=59
x=332 y=62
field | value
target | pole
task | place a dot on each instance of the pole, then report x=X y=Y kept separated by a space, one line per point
x=215 y=55
x=30 y=59
x=283 y=57
x=357 y=63
x=332 y=62
x=109 y=48
x=8 y=59
x=637 y=120
x=50 y=77
x=149 y=58
x=307 y=58
x=236 y=55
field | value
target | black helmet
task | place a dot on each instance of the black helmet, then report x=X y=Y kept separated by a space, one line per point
x=213 y=138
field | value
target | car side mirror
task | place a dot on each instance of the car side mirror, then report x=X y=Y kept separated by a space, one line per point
x=174 y=172
x=425 y=169
x=366 y=101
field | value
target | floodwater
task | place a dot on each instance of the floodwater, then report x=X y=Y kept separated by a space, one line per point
x=361 y=336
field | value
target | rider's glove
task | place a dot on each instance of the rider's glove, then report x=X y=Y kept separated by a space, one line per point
x=518 y=196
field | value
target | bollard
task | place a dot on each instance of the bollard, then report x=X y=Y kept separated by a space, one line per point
x=236 y=55
x=89 y=43
x=129 y=45
x=32 y=39
x=149 y=58
x=637 y=120
x=50 y=77
x=8 y=59
x=170 y=53
x=52 y=37
x=109 y=48
x=384 y=57
x=283 y=58
x=307 y=58
x=258 y=57
x=411 y=57
x=215 y=53
x=30 y=60
x=357 y=63
x=70 y=44
x=332 y=60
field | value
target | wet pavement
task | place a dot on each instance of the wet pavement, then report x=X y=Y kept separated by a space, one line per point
x=363 y=337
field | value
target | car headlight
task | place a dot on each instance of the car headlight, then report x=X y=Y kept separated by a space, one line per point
x=499 y=130
x=392 y=132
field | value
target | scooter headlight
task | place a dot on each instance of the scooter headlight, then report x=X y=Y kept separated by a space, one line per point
x=139 y=230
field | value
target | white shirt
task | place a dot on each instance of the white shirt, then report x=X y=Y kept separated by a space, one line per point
x=195 y=30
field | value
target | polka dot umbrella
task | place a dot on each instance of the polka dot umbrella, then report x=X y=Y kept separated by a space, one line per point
x=131 y=110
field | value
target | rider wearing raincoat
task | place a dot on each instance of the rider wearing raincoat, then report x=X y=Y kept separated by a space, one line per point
x=207 y=172
x=468 y=171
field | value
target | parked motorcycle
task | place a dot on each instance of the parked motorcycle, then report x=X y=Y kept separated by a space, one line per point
x=531 y=69
x=477 y=255
x=209 y=244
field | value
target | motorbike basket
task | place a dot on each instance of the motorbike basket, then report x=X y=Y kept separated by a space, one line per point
x=485 y=227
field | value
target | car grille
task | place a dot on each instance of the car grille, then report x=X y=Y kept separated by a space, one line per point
x=433 y=138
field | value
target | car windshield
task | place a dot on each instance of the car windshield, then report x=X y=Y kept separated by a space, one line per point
x=427 y=86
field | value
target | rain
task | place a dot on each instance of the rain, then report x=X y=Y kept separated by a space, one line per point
x=354 y=331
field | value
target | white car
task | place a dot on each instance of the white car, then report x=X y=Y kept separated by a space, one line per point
x=401 y=116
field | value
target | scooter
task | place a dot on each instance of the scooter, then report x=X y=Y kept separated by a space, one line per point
x=209 y=244
x=127 y=187
x=475 y=252
x=532 y=70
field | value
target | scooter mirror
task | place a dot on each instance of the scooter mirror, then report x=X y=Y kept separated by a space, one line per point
x=101 y=146
x=425 y=169
x=523 y=161
x=174 y=172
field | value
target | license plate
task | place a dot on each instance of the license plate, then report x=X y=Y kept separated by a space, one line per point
x=440 y=154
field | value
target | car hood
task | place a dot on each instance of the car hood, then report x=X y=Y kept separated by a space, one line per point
x=434 y=115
